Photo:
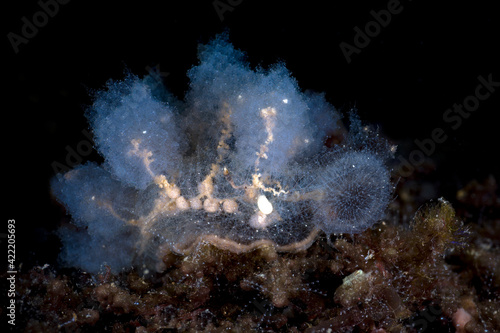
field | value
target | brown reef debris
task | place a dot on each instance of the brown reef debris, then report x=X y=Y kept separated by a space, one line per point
x=436 y=275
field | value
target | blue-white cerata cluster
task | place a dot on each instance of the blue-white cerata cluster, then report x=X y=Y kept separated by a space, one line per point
x=240 y=163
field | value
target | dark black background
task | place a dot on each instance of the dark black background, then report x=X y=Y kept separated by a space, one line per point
x=424 y=61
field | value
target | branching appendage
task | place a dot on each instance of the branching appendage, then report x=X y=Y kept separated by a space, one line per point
x=143 y=154
x=255 y=191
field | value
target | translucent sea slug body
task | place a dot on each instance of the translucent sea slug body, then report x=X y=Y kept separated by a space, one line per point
x=240 y=163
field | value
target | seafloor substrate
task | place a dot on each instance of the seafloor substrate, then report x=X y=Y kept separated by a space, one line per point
x=433 y=274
